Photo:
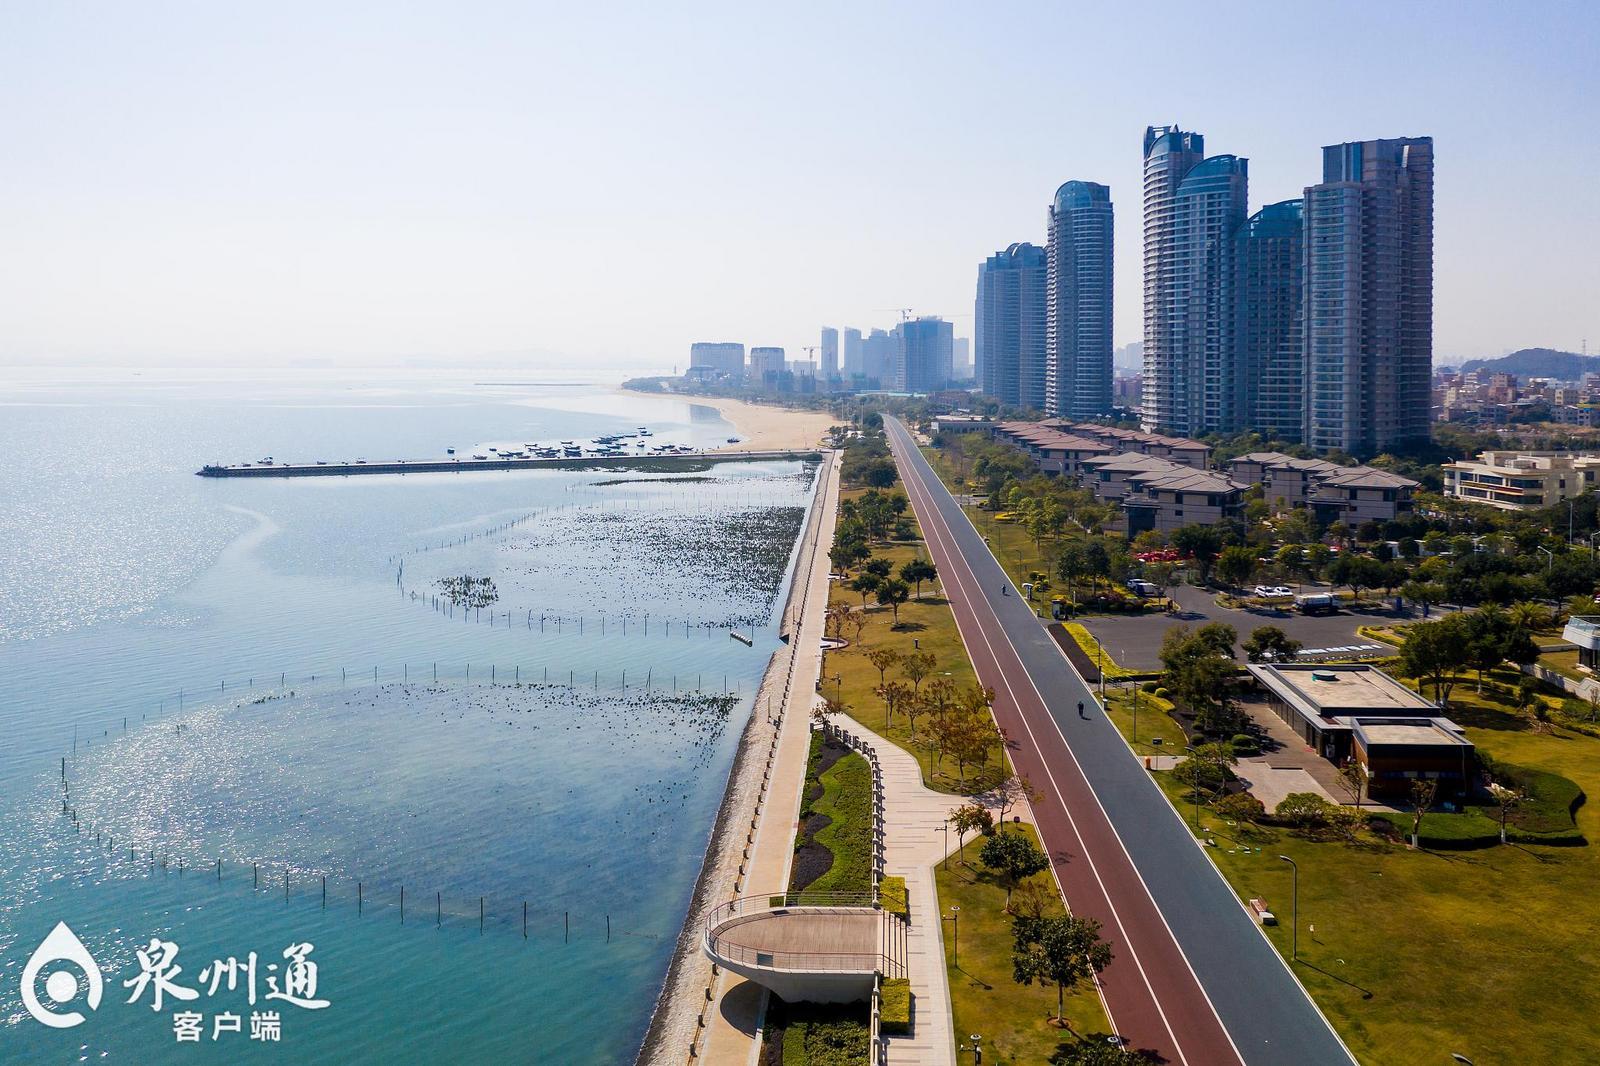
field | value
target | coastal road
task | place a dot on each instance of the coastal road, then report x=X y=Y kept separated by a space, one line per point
x=1193 y=979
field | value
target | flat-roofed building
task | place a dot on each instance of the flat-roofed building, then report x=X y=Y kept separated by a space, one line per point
x=1353 y=711
x=717 y=357
x=1394 y=752
x=1521 y=481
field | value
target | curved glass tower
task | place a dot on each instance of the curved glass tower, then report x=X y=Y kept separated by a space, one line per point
x=1077 y=364
x=1267 y=322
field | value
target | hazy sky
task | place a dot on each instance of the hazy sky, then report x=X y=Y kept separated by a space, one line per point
x=601 y=185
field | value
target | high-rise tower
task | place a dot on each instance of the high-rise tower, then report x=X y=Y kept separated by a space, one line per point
x=1268 y=338
x=1077 y=374
x=1369 y=295
x=1009 y=326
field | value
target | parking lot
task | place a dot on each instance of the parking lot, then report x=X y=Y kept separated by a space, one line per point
x=1135 y=640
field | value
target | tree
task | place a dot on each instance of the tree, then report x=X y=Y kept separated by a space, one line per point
x=917 y=571
x=892 y=593
x=882 y=659
x=1426 y=593
x=1529 y=616
x=1434 y=652
x=1201 y=543
x=1236 y=564
x=918 y=665
x=894 y=694
x=1423 y=792
x=1012 y=857
x=970 y=818
x=1353 y=776
x=879 y=567
x=865 y=584
x=1064 y=949
x=1013 y=791
x=1505 y=798
x=1269 y=644
x=1306 y=811
x=1206 y=767
x=848 y=553
x=1199 y=672
x=969 y=736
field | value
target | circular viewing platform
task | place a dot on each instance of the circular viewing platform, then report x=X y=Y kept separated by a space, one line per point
x=824 y=951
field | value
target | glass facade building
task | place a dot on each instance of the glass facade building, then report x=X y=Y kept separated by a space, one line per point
x=1368 y=330
x=1268 y=333
x=1078 y=312
x=922 y=354
x=1009 y=326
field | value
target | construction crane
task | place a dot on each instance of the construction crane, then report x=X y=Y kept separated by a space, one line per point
x=905 y=312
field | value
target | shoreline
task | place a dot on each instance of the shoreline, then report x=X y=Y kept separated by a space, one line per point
x=676 y=1018
x=760 y=426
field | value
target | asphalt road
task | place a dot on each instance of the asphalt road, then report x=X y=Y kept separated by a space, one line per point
x=1193 y=977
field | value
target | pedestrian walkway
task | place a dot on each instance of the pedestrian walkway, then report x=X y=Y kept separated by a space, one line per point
x=734 y=1014
x=913 y=842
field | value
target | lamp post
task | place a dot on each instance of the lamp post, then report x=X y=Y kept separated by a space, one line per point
x=1193 y=755
x=955 y=935
x=945 y=827
x=1549 y=562
x=1294 y=934
x=838 y=689
x=1100 y=661
x=1135 y=686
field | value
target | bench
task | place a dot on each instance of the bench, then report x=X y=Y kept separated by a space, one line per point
x=1264 y=916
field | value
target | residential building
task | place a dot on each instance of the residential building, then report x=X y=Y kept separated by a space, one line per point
x=829 y=352
x=717 y=357
x=961 y=359
x=1110 y=475
x=1165 y=500
x=1051 y=450
x=1268 y=331
x=1193 y=205
x=1521 y=481
x=1009 y=326
x=879 y=357
x=1353 y=712
x=766 y=367
x=1077 y=357
x=1369 y=295
x=1348 y=494
x=850 y=352
x=1184 y=452
x=922 y=354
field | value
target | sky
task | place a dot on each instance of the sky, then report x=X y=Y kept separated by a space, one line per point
x=599 y=185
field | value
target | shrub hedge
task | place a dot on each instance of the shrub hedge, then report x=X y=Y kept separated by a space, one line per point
x=892 y=894
x=894 y=1005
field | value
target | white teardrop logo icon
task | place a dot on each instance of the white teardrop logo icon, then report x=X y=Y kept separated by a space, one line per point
x=61 y=985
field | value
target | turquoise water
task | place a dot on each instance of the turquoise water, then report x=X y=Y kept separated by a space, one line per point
x=266 y=673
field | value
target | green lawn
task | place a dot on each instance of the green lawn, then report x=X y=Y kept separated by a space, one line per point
x=925 y=625
x=1153 y=721
x=1413 y=955
x=1013 y=1018
x=1565 y=663
x=847 y=801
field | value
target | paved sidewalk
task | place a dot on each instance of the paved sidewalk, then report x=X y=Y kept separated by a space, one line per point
x=733 y=1016
x=913 y=843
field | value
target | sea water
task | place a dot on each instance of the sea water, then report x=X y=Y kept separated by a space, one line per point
x=242 y=715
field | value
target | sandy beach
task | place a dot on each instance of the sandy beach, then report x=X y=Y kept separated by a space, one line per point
x=764 y=427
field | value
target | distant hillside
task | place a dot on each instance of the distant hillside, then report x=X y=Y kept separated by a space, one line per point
x=1538 y=363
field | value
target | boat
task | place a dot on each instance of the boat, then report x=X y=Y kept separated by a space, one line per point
x=449 y=451
x=733 y=440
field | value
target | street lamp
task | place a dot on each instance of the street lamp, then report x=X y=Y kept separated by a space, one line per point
x=1294 y=934
x=838 y=689
x=955 y=935
x=1100 y=660
x=945 y=826
x=1552 y=556
x=1196 y=775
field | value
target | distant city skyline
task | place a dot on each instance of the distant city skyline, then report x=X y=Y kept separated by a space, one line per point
x=409 y=188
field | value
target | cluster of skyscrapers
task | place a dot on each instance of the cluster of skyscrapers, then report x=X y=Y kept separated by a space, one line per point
x=917 y=356
x=1312 y=318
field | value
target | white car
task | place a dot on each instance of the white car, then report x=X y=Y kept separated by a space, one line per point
x=1282 y=590
x=1265 y=590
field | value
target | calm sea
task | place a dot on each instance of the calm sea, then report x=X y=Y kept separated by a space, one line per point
x=248 y=689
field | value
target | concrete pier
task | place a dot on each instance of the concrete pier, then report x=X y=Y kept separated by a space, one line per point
x=676 y=461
